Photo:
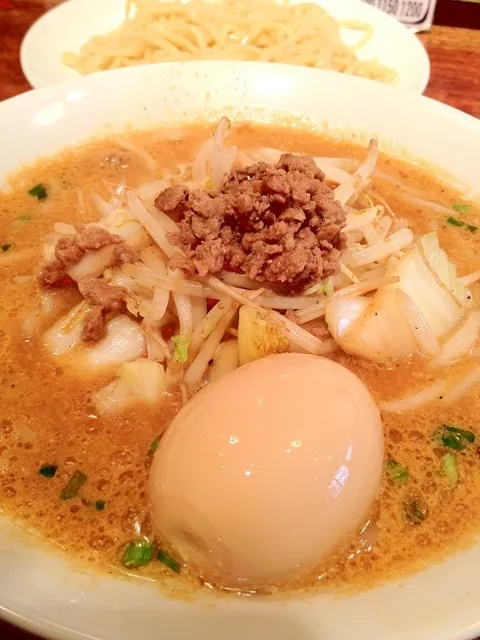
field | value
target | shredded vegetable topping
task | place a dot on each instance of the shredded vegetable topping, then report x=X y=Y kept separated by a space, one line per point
x=180 y=352
x=414 y=512
x=453 y=437
x=449 y=461
x=73 y=486
x=48 y=470
x=154 y=446
x=39 y=191
x=172 y=318
x=168 y=561
x=138 y=553
x=396 y=472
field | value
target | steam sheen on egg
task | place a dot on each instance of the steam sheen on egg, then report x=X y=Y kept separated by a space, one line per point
x=266 y=471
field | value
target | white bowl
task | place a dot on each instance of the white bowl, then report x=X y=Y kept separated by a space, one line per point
x=71 y=24
x=45 y=592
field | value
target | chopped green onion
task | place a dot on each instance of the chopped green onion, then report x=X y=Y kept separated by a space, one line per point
x=23 y=218
x=180 y=352
x=396 y=472
x=455 y=222
x=154 y=445
x=138 y=553
x=449 y=461
x=413 y=512
x=38 y=191
x=170 y=562
x=461 y=207
x=99 y=505
x=72 y=487
x=48 y=470
x=5 y=247
x=453 y=438
x=460 y=223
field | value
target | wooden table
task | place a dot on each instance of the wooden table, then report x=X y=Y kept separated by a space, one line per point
x=455 y=80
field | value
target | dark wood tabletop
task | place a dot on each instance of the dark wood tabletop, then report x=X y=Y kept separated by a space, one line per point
x=455 y=79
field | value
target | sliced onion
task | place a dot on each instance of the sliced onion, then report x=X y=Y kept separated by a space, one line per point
x=416 y=400
x=463 y=387
x=460 y=343
x=66 y=333
x=470 y=279
x=111 y=398
x=93 y=263
x=422 y=333
x=123 y=342
x=438 y=305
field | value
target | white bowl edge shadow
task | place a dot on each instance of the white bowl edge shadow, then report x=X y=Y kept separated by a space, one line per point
x=69 y=25
x=41 y=590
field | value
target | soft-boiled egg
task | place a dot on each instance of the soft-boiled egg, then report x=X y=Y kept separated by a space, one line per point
x=267 y=470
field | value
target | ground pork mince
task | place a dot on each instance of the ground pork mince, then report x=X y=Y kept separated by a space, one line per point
x=276 y=224
x=102 y=297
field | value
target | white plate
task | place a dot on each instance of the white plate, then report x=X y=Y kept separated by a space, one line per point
x=68 y=26
x=45 y=593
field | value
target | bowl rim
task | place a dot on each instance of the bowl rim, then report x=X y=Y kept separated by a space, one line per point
x=421 y=53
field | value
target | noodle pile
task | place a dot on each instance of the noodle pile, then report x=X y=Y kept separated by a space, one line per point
x=260 y=30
